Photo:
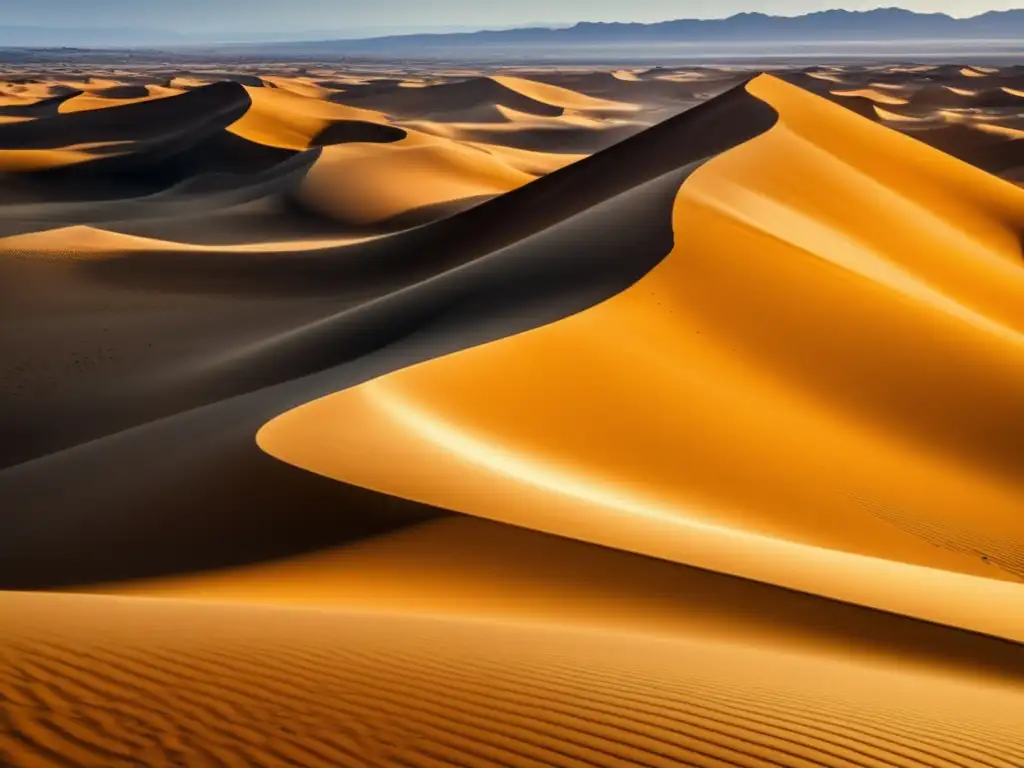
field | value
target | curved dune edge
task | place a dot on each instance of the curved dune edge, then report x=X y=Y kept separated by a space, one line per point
x=109 y=681
x=414 y=172
x=765 y=446
x=555 y=96
x=289 y=120
x=85 y=242
x=87 y=101
x=26 y=160
x=875 y=95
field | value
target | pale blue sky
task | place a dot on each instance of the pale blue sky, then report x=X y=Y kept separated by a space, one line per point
x=405 y=15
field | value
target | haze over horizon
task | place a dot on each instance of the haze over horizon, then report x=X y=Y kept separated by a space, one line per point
x=248 y=18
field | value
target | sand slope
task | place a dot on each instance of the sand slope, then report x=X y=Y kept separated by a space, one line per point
x=600 y=438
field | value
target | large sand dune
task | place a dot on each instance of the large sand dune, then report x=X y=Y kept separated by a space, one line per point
x=393 y=416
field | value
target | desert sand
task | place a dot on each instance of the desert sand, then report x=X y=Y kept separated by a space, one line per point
x=394 y=416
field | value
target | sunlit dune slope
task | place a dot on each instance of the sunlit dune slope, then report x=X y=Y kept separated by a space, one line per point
x=634 y=88
x=875 y=95
x=477 y=99
x=84 y=243
x=363 y=184
x=791 y=396
x=462 y=566
x=27 y=160
x=112 y=682
x=561 y=97
x=529 y=161
x=443 y=99
x=283 y=118
x=92 y=100
x=993 y=147
x=564 y=135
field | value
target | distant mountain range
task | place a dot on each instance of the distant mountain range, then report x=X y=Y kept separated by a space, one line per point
x=880 y=25
x=40 y=36
x=883 y=24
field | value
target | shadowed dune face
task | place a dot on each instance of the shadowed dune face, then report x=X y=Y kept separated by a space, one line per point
x=539 y=417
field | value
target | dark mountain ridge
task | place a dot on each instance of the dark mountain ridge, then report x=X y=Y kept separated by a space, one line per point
x=882 y=24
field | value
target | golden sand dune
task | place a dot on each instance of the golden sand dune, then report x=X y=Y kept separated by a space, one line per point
x=977 y=71
x=894 y=117
x=531 y=417
x=303 y=86
x=874 y=94
x=363 y=185
x=546 y=432
x=91 y=100
x=529 y=161
x=455 y=100
x=23 y=160
x=283 y=118
x=561 y=97
x=82 y=242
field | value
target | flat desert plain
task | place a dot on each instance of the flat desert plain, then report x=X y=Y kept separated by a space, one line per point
x=410 y=416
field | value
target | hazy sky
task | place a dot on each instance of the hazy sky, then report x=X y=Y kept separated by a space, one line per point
x=281 y=15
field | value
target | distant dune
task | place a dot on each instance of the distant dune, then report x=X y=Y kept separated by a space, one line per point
x=522 y=417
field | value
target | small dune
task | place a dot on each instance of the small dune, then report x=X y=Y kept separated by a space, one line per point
x=877 y=96
x=366 y=184
x=105 y=100
x=561 y=97
x=288 y=120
